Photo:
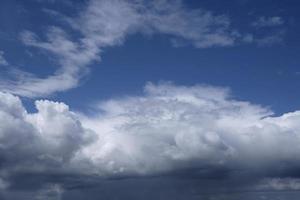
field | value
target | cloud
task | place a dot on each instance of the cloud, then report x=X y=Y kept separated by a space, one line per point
x=269 y=40
x=279 y=184
x=105 y=23
x=268 y=22
x=50 y=192
x=108 y=22
x=2 y=59
x=34 y=142
x=199 y=127
x=196 y=132
x=274 y=36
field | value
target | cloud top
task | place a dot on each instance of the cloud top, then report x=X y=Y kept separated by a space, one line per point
x=170 y=128
x=268 y=22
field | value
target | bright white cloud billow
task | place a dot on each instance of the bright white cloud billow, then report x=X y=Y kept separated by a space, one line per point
x=167 y=129
x=47 y=138
x=104 y=23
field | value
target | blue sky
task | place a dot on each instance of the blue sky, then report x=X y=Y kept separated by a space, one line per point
x=200 y=97
x=266 y=74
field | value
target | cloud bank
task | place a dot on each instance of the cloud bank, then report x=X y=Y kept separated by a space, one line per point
x=199 y=131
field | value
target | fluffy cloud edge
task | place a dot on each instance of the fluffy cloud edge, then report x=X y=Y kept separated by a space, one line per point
x=169 y=128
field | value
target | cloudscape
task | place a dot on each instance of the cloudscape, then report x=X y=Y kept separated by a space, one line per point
x=137 y=99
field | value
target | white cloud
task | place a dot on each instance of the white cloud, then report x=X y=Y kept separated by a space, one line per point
x=168 y=128
x=268 y=40
x=46 y=139
x=272 y=38
x=268 y=22
x=106 y=23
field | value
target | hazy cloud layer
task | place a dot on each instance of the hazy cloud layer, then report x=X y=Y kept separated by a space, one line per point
x=198 y=132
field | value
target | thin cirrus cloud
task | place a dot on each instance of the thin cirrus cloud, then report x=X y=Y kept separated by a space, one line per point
x=2 y=59
x=268 y=22
x=107 y=23
x=197 y=130
x=275 y=35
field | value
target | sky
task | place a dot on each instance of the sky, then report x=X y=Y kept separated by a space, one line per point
x=161 y=99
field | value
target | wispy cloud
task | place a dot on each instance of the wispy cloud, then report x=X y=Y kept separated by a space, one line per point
x=273 y=37
x=268 y=40
x=2 y=59
x=268 y=22
x=197 y=131
x=104 y=23
x=107 y=23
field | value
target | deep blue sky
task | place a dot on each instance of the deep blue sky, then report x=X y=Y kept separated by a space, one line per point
x=267 y=75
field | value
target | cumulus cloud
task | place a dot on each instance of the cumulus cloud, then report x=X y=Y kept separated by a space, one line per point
x=275 y=34
x=43 y=140
x=268 y=22
x=105 y=23
x=176 y=127
x=199 y=131
x=108 y=22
